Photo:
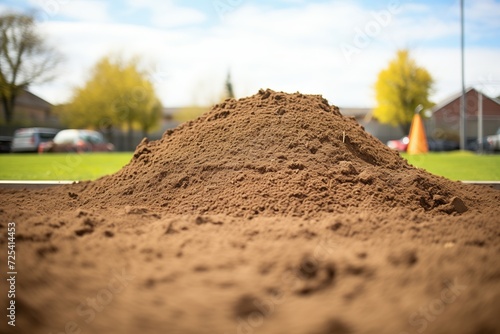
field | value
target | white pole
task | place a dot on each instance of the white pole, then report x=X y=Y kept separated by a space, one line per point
x=480 y=122
x=462 y=98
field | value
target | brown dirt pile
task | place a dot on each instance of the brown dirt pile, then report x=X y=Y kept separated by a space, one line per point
x=272 y=154
x=269 y=214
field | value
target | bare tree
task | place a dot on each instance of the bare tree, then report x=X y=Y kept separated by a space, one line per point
x=25 y=58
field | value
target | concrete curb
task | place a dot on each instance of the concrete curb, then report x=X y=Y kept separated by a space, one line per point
x=21 y=184
x=493 y=184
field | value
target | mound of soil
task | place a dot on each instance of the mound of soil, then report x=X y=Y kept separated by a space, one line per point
x=269 y=214
x=271 y=154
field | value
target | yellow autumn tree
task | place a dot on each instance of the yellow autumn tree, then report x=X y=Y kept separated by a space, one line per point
x=117 y=95
x=400 y=89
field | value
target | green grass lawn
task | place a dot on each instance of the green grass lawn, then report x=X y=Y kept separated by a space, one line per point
x=90 y=166
x=459 y=165
x=61 y=166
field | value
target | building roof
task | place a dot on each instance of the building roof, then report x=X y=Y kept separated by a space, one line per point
x=28 y=99
x=456 y=96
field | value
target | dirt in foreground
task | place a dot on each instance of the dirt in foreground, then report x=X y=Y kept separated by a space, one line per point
x=269 y=214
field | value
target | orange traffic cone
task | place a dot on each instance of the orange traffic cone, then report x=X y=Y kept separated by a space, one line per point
x=418 y=140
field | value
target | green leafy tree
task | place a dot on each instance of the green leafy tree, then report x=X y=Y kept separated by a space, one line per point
x=25 y=58
x=149 y=119
x=118 y=94
x=400 y=89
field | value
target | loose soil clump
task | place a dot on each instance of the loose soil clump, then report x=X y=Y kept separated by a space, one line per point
x=269 y=214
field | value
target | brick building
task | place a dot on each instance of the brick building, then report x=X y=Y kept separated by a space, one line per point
x=31 y=110
x=445 y=120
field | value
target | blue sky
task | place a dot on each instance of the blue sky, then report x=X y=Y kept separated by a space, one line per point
x=333 y=48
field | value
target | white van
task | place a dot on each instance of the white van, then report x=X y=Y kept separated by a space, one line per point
x=28 y=139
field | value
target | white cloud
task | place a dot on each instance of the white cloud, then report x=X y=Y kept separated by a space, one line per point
x=486 y=11
x=81 y=10
x=284 y=49
x=168 y=14
x=83 y=44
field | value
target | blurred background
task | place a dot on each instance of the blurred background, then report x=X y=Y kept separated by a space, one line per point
x=135 y=68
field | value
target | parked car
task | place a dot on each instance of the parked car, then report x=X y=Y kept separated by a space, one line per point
x=494 y=141
x=474 y=145
x=74 y=140
x=442 y=145
x=29 y=139
x=399 y=144
x=436 y=145
x=5 y=143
